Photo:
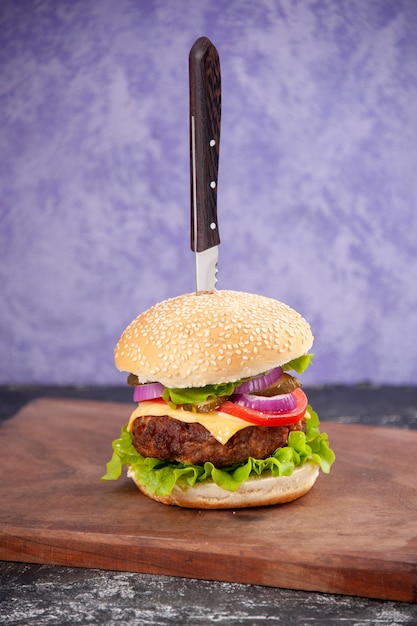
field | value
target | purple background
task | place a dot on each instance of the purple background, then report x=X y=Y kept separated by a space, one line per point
x=317 y=188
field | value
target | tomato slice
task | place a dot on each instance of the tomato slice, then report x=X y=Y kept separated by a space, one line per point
x=268 y=419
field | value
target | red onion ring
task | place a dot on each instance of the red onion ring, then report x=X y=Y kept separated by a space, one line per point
x=148 y=391
x=258 y=383
x=269 y=404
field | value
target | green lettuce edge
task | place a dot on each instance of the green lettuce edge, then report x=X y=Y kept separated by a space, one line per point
x=160 y=477
x=300 y=364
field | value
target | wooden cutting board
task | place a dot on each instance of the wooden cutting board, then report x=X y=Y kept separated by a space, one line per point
x=355 y=533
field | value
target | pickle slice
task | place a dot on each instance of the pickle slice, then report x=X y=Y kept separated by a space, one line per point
x=285 y=384
x=132 y=379
x=205 y=407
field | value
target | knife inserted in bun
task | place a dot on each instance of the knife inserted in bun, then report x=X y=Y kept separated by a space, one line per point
x=205 y=115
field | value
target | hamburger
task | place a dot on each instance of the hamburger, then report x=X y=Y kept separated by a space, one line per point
x=221 y=420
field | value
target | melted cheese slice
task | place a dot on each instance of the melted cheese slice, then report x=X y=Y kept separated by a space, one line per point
x=221 y=425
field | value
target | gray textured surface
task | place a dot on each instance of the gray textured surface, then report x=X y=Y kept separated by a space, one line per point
x=37 y=595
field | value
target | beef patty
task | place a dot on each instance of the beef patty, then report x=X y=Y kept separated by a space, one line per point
x=169 y=439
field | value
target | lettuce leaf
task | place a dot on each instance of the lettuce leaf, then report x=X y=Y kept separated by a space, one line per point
x=193 y=395
x=299 y=364
x=159 y=477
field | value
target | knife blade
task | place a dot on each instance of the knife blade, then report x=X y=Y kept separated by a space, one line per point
x=205 y=114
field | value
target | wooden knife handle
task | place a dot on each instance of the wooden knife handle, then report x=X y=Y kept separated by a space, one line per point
x=205 y=113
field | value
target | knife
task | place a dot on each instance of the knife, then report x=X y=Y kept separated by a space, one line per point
x=205 y=112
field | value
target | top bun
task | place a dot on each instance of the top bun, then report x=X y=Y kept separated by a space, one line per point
x=211 y=337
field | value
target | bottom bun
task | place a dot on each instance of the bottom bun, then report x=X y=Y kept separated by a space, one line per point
x=253 y=492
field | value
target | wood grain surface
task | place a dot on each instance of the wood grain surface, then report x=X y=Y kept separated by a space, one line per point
x=355 y=533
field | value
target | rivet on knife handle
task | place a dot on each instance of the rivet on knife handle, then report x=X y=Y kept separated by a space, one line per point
x=205 y=112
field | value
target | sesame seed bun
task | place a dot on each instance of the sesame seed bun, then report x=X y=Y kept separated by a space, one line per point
x=211 y=337
x=263 y=491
